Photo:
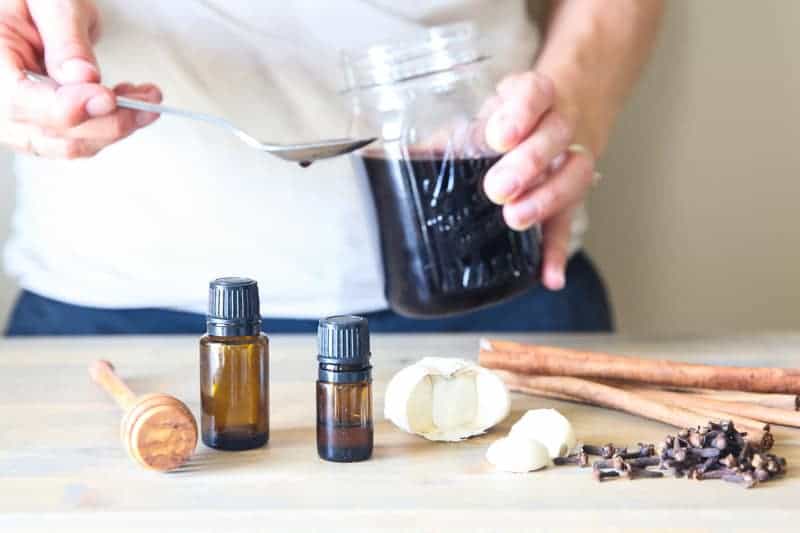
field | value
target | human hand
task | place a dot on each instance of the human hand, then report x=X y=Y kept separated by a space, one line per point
x=80 y=117
x=543 y=175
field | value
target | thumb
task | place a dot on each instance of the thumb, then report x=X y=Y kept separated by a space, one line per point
x=64 y=26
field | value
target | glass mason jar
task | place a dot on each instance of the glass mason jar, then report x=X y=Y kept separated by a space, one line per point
x=446 y=248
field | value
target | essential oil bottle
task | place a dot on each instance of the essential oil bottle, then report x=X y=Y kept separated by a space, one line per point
x=234 y=368
x=344 y=390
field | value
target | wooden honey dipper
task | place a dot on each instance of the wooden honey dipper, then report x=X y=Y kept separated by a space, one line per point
x=157 y=430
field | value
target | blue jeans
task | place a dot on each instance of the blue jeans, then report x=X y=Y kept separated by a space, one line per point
x=581 y=306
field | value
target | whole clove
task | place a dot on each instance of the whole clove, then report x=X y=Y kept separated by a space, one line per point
x=580 y=459
x=746 y=480
x=640 y=473
x=761 y=475
x=602 y=475
x=680 y=455
x=704 y=452
x=720 y=442
x=715 y=451
x=605 y=452
x=645 y=450
x=715 y=474
x=729 y=461
x=639 y=462
x=709 y=464
x=592 y=450
x=757 y=460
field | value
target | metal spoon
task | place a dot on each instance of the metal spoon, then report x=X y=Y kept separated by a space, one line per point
x=299 y=153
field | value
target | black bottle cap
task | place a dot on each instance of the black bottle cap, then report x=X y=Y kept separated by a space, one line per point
x=344 y=340
x=233 y=308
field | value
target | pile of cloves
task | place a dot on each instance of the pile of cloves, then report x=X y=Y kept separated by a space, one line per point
x=715 y=451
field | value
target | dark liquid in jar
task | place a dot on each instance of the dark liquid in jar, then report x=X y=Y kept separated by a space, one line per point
x=445 y=245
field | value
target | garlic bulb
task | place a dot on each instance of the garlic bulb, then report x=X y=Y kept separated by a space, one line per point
x=549 y=427
x=517 y=454
x=446 y=399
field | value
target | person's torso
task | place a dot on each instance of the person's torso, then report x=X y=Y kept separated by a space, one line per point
x=152 y=219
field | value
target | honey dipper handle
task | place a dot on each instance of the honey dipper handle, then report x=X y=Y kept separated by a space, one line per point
x=102 y=373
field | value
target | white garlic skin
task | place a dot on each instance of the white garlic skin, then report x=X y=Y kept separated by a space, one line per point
x=548 y=427
x=445 y=399
x=517 y=454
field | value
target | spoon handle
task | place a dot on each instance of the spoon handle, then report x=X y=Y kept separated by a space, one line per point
x=139 y=105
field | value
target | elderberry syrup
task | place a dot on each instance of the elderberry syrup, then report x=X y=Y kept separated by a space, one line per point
x=445 y=245
x=446 y=248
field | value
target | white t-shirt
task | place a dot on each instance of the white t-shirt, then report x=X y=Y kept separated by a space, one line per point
x=149 y=221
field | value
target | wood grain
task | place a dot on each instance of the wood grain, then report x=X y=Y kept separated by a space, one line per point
x=157 y=430
x=61 y=466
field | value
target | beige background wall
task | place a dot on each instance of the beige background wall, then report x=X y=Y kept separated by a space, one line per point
x=696 y=224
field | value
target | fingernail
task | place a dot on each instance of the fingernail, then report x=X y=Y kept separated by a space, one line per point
x=100 y=105
x=76 y=71
x=500 y=185
x=521 y=215
x=143 y=118
x=558 y=162
x=508 y=129
x=555 y=279
x=502 y=132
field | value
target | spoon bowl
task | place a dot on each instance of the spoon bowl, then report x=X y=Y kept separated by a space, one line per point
x=304 y=153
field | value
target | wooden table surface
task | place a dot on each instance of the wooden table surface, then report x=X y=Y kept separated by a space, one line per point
x=62 y=466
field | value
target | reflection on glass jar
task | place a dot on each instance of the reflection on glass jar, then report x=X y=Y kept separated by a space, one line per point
x=446 y=247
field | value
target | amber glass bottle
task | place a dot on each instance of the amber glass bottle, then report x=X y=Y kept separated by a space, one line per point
x=344 y=390
x=234 y=368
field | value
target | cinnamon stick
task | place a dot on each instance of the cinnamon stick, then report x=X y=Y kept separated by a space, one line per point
x=784 y=402
x=551 y=361
x=563 y=387
x=789 y=402
x=772 y=415
x=515 y=385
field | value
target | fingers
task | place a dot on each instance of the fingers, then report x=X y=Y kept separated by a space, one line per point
x=20 y=44
x=526 y=97
x=50 y=107
x=122 y=122
x=18 y=27
x=90 y=137
x=19 y=49
x=556 y=234
x=61 y=148
x=65 y=27
x=75 y=117
x=525 y=166
x=561 y=190
x=59 y=108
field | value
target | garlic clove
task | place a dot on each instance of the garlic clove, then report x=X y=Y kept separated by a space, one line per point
x=409 y=396
x=446 y=399
x=517 y=454
x=549 y=427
